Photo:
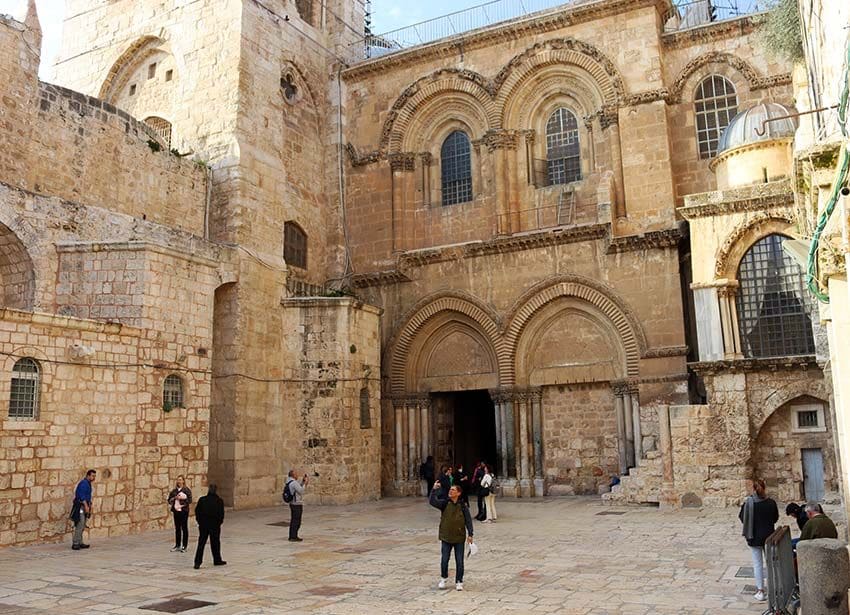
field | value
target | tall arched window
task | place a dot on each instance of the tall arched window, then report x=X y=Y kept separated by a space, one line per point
x=773 y=304
x=715 y=104
x=172 y=391
x=563 y=156
x=294 y=245
x=26 y=389
x=456 y=169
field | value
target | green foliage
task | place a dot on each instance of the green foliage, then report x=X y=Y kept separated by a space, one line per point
x=167 y=406
x=154 y=145
x=780 y=31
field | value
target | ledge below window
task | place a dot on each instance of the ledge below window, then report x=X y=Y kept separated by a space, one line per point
x=12 y=425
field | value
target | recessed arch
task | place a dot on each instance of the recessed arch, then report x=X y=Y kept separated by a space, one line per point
x=603 y=299
x=693 y=72
x=760 y=225
x=140 y=49
x=475 y=313
x=17 y=273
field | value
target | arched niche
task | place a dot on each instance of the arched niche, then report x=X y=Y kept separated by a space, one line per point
x=17 y=273
x=450 y=353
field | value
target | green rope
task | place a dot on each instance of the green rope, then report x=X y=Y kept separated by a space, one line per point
x=837 y=184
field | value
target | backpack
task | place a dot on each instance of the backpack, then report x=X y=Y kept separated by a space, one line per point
x=288 y=496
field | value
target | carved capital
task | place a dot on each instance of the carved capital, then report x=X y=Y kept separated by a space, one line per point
x=608 y=116
x=529 y=135
x=426 y=158
x=404 y=161
x=501 y=139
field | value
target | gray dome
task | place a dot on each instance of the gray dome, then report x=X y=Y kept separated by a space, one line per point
x=742 y=129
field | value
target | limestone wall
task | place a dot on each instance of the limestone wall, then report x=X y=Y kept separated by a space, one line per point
x=103 y=410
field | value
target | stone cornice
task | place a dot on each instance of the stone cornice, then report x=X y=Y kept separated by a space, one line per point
x=135 y=246
x=378 y=278
x=717 y=31
x=665 y=351
x=645 y=241
x=500 y=34
x=359 y=160
x=751 y=365
x=759 y=197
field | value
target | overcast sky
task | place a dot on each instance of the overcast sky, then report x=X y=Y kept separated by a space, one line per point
x=386 y=15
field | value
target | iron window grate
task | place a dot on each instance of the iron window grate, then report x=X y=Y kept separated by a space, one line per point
x=773 y=304
x=172 y=391
x=563 y=154
x=294 y=245
x=807 y=418
x=715 y=104
x=456 y=169
x=25 y=389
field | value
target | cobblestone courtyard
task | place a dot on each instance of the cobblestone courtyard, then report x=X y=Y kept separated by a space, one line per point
x=564 y=555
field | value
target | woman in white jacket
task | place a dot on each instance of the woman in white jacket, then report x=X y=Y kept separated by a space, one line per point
x=488 y=488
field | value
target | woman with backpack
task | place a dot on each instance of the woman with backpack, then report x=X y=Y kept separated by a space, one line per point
x=488 y=488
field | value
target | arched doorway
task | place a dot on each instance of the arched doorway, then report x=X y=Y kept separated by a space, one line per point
x=17 y=274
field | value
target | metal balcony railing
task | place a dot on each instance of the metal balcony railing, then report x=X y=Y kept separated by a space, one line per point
x=685 y=14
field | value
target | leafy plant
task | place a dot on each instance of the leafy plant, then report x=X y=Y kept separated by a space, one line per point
x=780 y=31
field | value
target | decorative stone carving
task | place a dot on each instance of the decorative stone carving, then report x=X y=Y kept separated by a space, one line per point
x=402 y=162
x=501 y=139
x=742 y=66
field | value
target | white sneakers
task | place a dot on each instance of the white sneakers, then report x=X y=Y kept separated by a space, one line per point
x=442 y=584
x=459 y=587
x=759 y=596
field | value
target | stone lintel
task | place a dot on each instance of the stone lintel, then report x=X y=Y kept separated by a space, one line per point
x=668 y=238
x=753 y=365
x=379 y=278
x=324 y=302
x=758 y=197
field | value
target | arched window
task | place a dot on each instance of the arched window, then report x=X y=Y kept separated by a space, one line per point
x=715 y=104
x=456 y=169
x=294 y=245
x=172 y=391
x=161 y=127
x=563 y=157
x=26 y=387
x=773 y=304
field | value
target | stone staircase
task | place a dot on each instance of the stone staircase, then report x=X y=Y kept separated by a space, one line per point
x=642 y=485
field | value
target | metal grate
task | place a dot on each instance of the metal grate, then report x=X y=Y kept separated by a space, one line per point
x=161 y=127
x=176 y=605
x=562 y=147
x=715 y=104
x=26 y=385
x=172 y=391
x=610 y=512
x=773 y=305
x=294 y=245
x=456 y=169
x=365 y=414
x=745 y=572
x=807 y=418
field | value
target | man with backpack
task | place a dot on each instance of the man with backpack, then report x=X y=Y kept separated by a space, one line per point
x=293 y=494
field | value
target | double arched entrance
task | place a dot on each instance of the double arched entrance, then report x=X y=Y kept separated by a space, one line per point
x=546 y=392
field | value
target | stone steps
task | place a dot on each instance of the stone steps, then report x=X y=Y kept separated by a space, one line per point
x=641 y=485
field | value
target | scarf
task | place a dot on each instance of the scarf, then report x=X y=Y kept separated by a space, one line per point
x=750 y=514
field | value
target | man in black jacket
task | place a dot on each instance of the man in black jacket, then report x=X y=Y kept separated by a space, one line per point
x=209 y=513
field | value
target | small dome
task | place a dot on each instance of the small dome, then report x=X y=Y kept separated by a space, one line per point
x=742 y=129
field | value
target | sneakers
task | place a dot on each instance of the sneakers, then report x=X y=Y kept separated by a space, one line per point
x=182 y=549
x=759 y=596
x=175 y=548
x=442 y=584
x=459 y=587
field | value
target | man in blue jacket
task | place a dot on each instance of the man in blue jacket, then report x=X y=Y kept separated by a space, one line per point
x=81 y=510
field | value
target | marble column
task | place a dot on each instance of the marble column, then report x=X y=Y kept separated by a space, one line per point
x=729 y=321
x=510 y=432
x=425 y=429
x=609 y=121
x=630 y=425
x=399 y=444
x=497 y=410
x=665 y=441
x=503 y=442
x=523 y=466
x=412 y=442
x=622 y=448
x=537 y=440
x=401 y=166
x=638 y=438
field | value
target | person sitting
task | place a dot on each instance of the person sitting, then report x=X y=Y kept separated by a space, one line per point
x=798 y=513
x=818 y=525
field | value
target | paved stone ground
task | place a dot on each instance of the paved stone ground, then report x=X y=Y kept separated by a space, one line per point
x=554 y=555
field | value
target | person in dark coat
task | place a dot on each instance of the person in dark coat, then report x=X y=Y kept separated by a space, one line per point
x=178 y=501
x=798 y=513
x=455 y=531
x=461 y=479
x=426 y=473
x=209 y=513
x=445 y=481
x=477 y=475
x=759 y=515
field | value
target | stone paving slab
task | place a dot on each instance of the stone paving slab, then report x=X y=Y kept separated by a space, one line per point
x=555 y=555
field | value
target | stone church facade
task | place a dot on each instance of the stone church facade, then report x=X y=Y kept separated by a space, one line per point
x=230 y=246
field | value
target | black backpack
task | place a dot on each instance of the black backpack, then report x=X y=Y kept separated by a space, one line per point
x=288 y=496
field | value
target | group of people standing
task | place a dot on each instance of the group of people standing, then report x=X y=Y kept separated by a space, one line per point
x=481 y=484
x=759 y=515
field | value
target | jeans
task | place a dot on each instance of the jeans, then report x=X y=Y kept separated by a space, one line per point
x=79 y=526
x=444 y=559
x=181 y=528
x=758 y=565
x=295 y=512
x=490 y=504
x=214 y=534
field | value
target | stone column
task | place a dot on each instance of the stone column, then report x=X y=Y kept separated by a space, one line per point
x=630 y=426
x=503 y=144
x=399 y=444
x=622 y=447
x=729 y=321
x=427 y=159
x=608 y=122
x=510 y=432
x=497 y=410
x=413 y=440
x=537 y=439
x=503 y=442
x=424 y=428
x=638 y=443
x=523 y=465
x=665 y=443
x=401 y=166
x=824 y=576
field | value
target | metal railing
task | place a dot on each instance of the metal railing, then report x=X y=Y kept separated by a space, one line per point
x=781 y=575
x=685 y=14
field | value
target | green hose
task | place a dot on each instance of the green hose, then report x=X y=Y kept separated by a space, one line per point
x=837 y=184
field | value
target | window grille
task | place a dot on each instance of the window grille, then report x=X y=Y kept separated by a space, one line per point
x=456 y=169
x=807 y=418
x=161 y=127
x=365 y=414
x=715 y=104
x=773 y=303
x=172 y=391
x=294 y=245
x=26 y=386
x=563 y=155
x=289 y=87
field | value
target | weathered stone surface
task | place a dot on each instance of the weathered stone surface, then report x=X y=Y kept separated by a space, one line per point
x=824 y=568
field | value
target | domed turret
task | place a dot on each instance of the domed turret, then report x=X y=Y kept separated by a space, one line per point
x=745 y=157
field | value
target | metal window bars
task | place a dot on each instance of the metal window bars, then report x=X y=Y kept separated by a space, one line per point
x=715 y=104
x=456 y=169
x=683 y=15
x=172 y=391
x=25 y=389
